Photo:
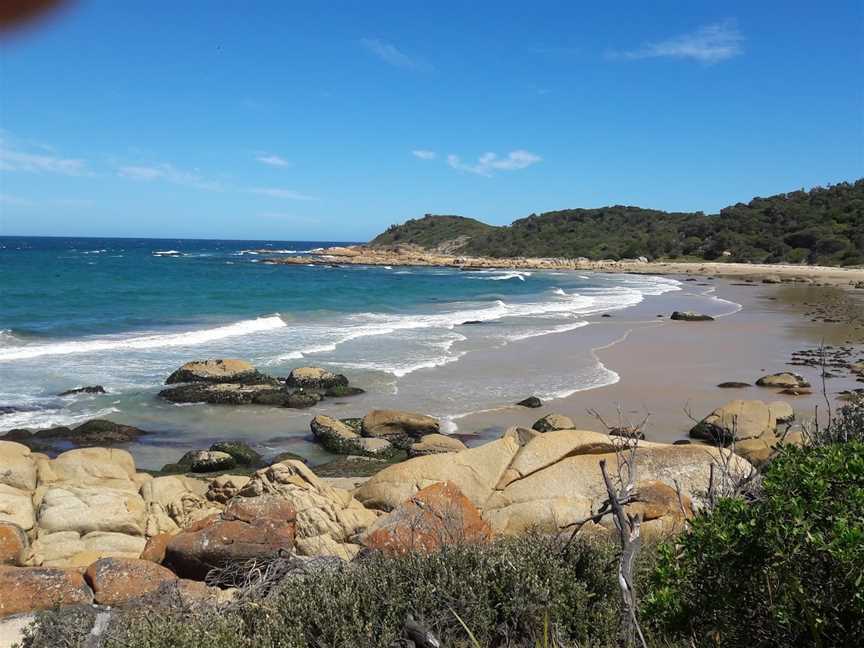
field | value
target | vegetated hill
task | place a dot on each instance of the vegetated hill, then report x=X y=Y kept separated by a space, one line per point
x=820 y=226
x=432 y=231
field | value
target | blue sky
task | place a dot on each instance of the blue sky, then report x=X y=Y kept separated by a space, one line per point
x=331 y=120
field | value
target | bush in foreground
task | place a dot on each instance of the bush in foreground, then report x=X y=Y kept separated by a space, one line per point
x=786 y=570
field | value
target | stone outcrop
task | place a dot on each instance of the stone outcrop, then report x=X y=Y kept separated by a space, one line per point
x=26 y=589
x=549 y=481
x=117 y=580
x=176 y=502
x=399 y=428
x=435 y=444
x=13 y=544
x=326 y=516
x=437 y=515
x=751 y=424
x=17 y=483
x=737 y=420
x=553 y=422
x=249 y=528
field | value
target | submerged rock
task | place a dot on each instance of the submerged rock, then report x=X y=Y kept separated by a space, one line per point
x=95 y=389
x=732 y=384
x=96 y=432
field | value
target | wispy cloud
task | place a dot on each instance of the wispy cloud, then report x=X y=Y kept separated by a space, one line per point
x=488 y=163
x=709 y=44
x=169 y=173
x=14 y=201
x=285 y=194
x=424 y=154
x=16 y=160
x=272 y=160
x=390 y=54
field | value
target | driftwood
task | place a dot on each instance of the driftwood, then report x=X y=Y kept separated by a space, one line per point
x=629 y=537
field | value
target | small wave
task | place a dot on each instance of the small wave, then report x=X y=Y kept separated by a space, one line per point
x=41 y=418
x=189 y=338
x=388 y=267
x=503 y=277
x=94 y=252
x=168 y=253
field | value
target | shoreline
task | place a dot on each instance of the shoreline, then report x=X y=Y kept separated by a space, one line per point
x=415 y=256
x=659 y=366
x=671 y=370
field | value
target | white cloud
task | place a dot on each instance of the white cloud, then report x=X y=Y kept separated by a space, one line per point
x=14 y=160
x=710 y=44
x=169 y=173
x=424 y=155
x=389 y=53
x=286 y=194
x=272 y=160
x=490 y=162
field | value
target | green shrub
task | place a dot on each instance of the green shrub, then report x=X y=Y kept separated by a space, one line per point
x=786 y=570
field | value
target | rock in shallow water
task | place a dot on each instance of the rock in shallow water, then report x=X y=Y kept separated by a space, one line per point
x=532 y=402
x=399 y=428
x=217 y=371
x=783 y=380
x=690 y=316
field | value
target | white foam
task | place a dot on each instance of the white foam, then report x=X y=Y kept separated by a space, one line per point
x=167 y=253
x=41 y=419
x=503 y=277
x=111 y=343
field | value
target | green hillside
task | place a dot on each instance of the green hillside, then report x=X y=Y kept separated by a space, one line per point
x=431 y=231
x=820 y=226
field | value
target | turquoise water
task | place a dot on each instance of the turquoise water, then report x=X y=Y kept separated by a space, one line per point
x=124 y=313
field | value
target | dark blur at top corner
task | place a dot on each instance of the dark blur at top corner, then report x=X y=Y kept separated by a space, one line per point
x=20 y=18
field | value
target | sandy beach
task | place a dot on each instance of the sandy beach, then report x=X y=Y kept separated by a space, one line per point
x=671 y=370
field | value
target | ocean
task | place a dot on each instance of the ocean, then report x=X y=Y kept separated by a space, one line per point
x=124 y=313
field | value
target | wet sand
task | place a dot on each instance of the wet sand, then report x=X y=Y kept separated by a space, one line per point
x=668 y=368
